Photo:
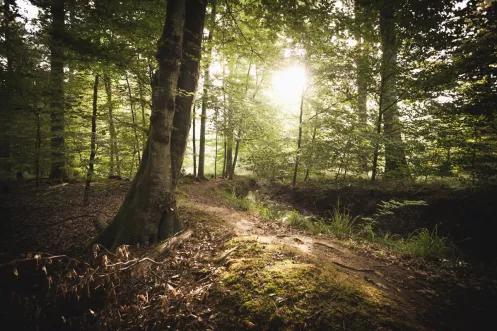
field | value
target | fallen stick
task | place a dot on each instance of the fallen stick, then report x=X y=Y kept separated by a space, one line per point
x=350 y=268
x=61 y=221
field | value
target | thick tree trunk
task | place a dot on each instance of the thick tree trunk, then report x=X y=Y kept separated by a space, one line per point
x=114 y=150
x=57 y=142
x=93 y=151
x=148 y=212
x=187 y=82
x=205 y=99
x=299 y=141
x=395 y=159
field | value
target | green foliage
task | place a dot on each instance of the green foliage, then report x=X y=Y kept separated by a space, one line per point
x=425 y=244
x=342 y=223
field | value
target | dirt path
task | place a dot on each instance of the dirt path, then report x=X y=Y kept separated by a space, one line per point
x=394 y=281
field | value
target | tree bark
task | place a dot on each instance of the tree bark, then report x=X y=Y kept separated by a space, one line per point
x=309 y=166
x=133 y=118
x=148 y=213
x=215 y=154
x=114 y=150
x=187 y=82
x=299 y=141
x=38 y=147
x=233 y=166
x=93 y=150
x=57 y=142
x=205 y=99
x=395 y=159
x=377 y=145
x=7 y=90
x=194 y=143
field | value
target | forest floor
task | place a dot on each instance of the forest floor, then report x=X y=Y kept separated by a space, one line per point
x=237 y=271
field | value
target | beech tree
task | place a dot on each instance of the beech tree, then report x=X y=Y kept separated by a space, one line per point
x=148 y=213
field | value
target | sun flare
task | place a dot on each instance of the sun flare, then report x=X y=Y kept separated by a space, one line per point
x=289 y=82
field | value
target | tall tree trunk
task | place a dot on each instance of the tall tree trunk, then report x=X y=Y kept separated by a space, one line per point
x=299 y=141
x=38 y=147
x=237 y=147
x=142 y=104
x=133 y=118
x=223 y=174
x=362 y=73
x=187 y=83
x=215 y=154
x=361 y=63
x=57 y=142
x=93 y=150
x=376 y=152
x=395 y=159
x=114 y=150
x=229 y=157
x=148 y=212
x=7 y=90
x=309 y=165
x=194 y=131
x=205 y=97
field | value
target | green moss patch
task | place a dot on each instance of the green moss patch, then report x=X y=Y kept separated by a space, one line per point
x=271 y=287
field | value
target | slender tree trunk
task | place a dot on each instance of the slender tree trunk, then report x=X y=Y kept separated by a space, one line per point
x=38 y=148
x=57 y=170
x=395 y=159
x=142 y=104
x=215 y=154
x=361 y=64
x=148 y=213
x=187 y=83
x=229 y=158
x=224 y=158
x=93 y=150
x=299 y=141
x=133 y=118
x=237 y=146
x=194 y=144
x=114 y=150
x=7 y=91
x=376 y=146
x=309 y=166
x=362 y=73
x=205 y=97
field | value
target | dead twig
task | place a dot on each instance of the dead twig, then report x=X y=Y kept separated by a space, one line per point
x=350 y=268
x=61 y=221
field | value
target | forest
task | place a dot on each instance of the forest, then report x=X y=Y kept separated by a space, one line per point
x=248 y=164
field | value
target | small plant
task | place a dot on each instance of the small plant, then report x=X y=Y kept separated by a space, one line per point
x=294 y=218
x=342 y=222
x=266 y=213
x=425 y=244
